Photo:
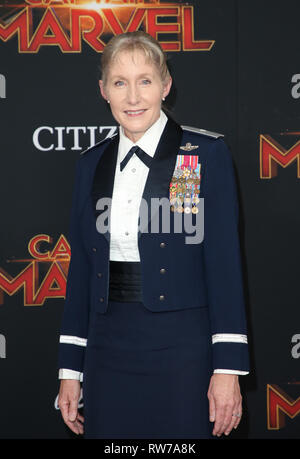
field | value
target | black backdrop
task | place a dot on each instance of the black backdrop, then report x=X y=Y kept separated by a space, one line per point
x=247 y=87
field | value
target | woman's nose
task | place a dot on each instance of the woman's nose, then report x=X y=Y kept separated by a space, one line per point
x=133 y=96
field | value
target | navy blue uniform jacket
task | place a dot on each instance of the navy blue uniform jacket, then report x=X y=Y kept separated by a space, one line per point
x=206 y=274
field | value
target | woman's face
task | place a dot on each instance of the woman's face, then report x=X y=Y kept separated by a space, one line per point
x=134 y=89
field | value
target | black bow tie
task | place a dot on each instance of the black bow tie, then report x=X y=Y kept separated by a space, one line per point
x=140 y=153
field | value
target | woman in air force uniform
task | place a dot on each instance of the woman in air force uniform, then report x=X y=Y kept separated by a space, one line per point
x=154 y=323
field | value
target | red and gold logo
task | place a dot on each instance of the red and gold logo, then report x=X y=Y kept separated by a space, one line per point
x=70 y=23
x=45 y=274
x=273 y=154
x=280 y=405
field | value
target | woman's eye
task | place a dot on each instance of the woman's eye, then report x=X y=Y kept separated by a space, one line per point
x=119 y=83
x=146 y=81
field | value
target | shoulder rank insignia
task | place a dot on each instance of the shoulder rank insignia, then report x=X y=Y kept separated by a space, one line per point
x=189 y=147
x=212 y=134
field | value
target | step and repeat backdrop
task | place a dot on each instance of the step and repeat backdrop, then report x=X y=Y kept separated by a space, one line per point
x=235 y=66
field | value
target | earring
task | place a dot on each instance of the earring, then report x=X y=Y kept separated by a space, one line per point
x=108 y=101
x=163 y=99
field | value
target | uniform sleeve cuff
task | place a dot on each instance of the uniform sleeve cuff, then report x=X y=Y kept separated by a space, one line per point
x=65 y=373
x=232 y=372
x=231 y=356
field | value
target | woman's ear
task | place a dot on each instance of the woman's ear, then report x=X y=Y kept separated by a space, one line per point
x=167 y=87
x=102 y=91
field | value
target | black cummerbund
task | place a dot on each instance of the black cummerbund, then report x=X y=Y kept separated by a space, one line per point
x=125 y=283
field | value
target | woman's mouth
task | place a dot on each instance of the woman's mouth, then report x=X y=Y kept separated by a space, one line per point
x=134 y=112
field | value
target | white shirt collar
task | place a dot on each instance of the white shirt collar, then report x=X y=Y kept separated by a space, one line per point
x=148 y=142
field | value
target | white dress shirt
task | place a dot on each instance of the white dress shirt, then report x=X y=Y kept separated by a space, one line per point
x=127 y=194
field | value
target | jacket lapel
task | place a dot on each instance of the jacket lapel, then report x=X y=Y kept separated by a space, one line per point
x=162 y=167
x=103 y=181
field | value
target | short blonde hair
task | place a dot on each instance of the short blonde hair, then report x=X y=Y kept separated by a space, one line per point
x=135 y=41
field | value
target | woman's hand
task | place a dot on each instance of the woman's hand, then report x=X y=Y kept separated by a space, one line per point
x=68 y=398
x=225 y=403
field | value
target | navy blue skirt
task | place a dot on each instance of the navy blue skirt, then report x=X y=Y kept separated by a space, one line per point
x=147 y=373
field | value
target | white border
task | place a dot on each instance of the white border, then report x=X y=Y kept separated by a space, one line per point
x=232 y=372
x=229 y=338
x=66 y=339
